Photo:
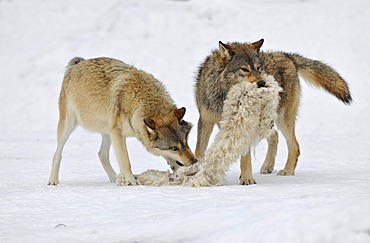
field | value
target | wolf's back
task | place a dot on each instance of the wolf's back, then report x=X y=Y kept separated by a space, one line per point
x=321 y=75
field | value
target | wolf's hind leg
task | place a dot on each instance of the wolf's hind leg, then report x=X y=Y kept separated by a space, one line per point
x=67 y=123
x=288 y=130
x=246 y=177
x=104 y=157
x=269 y=164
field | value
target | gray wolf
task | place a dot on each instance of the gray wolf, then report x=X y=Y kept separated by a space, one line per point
x=117 y=100
x=235 y=62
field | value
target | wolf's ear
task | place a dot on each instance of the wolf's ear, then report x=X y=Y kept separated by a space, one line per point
x=150 y=124
x=257 y=45
x=179 y=113
x=224 y=50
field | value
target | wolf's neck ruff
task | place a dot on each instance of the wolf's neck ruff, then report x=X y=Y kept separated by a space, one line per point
x=248 y=116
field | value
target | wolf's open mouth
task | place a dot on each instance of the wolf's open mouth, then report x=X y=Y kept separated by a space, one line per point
x=180 y=164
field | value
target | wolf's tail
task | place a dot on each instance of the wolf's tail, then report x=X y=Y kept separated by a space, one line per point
x=321 y=75
x=74 y=61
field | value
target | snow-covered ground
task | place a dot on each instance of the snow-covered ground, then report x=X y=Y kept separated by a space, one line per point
x=328 y=200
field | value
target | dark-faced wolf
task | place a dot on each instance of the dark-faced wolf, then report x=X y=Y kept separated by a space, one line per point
x=236 y=62
x=118 y=100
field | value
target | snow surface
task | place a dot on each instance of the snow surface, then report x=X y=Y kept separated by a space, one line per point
x=328 y=200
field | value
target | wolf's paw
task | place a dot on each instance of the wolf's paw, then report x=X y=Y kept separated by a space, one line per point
x=266 y=170
x=286 y=173
x=53 y=182
x=247 y=181
x=126 y=181
x=113 y=179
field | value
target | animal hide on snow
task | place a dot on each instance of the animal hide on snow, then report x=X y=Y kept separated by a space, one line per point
x=249 y=114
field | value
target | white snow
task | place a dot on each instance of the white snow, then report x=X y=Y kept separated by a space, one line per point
x=328 y=200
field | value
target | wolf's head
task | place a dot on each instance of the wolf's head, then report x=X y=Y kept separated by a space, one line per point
x=168 y=137
x=243 y=61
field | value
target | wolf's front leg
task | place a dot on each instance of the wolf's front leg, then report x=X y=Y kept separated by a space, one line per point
x=119 y=144
x=104 y=157
x=205 y=128
x=246 y=177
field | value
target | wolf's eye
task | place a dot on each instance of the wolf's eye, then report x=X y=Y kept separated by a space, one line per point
x=174 y=148
x=244 y=70
x=259 y=68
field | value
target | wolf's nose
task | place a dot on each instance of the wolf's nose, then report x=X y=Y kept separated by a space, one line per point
x=261 y=83
x=194 y=161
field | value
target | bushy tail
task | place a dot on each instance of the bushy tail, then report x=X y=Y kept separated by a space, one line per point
x=321 y=75
x=74 y=61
